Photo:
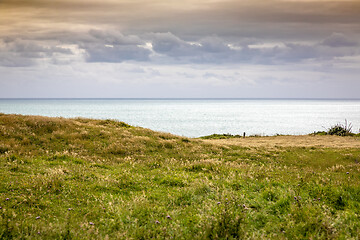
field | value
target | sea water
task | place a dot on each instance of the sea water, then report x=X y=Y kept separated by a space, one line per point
x=200 y=117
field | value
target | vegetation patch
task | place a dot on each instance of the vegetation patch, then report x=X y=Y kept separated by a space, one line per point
x=103 y=179
x=339 y=129
x=221 y=136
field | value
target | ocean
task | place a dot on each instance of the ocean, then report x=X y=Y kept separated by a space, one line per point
x=200 y=117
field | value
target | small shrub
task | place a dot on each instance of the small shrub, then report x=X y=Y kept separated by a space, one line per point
x=341 y=129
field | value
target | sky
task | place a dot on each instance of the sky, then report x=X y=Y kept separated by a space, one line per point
x=179 y=49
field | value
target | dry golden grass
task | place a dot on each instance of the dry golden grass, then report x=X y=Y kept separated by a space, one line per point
x=291 y=141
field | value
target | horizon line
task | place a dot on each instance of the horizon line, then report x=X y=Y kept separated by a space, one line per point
x=189 y=98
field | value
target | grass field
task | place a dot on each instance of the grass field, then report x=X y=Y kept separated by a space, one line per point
x=102 y=179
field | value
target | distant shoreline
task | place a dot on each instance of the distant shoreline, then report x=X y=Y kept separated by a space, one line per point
x=183 y=99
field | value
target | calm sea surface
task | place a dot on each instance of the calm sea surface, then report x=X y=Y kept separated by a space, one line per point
x=194 y=118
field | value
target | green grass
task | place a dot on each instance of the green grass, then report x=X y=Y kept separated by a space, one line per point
x=103 y=179
x=221 y=136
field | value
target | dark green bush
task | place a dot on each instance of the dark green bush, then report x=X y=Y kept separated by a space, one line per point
x=341 y=129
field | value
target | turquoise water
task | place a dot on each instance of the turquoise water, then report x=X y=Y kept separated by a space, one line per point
x=194 y=118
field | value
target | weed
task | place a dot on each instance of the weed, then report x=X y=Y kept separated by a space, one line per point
x=341 y=129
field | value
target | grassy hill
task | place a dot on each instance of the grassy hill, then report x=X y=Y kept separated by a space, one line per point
x=102 y=179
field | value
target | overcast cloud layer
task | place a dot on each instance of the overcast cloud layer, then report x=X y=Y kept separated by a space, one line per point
x=203 y=48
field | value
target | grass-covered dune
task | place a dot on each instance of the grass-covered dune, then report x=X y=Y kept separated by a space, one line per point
x=102 y=179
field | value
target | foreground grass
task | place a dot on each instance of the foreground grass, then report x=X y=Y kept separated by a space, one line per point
x=102 y=179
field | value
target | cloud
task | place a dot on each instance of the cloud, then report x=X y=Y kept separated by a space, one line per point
x=216 y=50
x=180 y=43
x=339 y=40
x=171 y=45
x=114 y=47
x=22 y=53
x=116 y=53
x=11 y=60
x=294 y=52
x=38 y=49
x=206 y=50
x=189 y=19
x=115 y=37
